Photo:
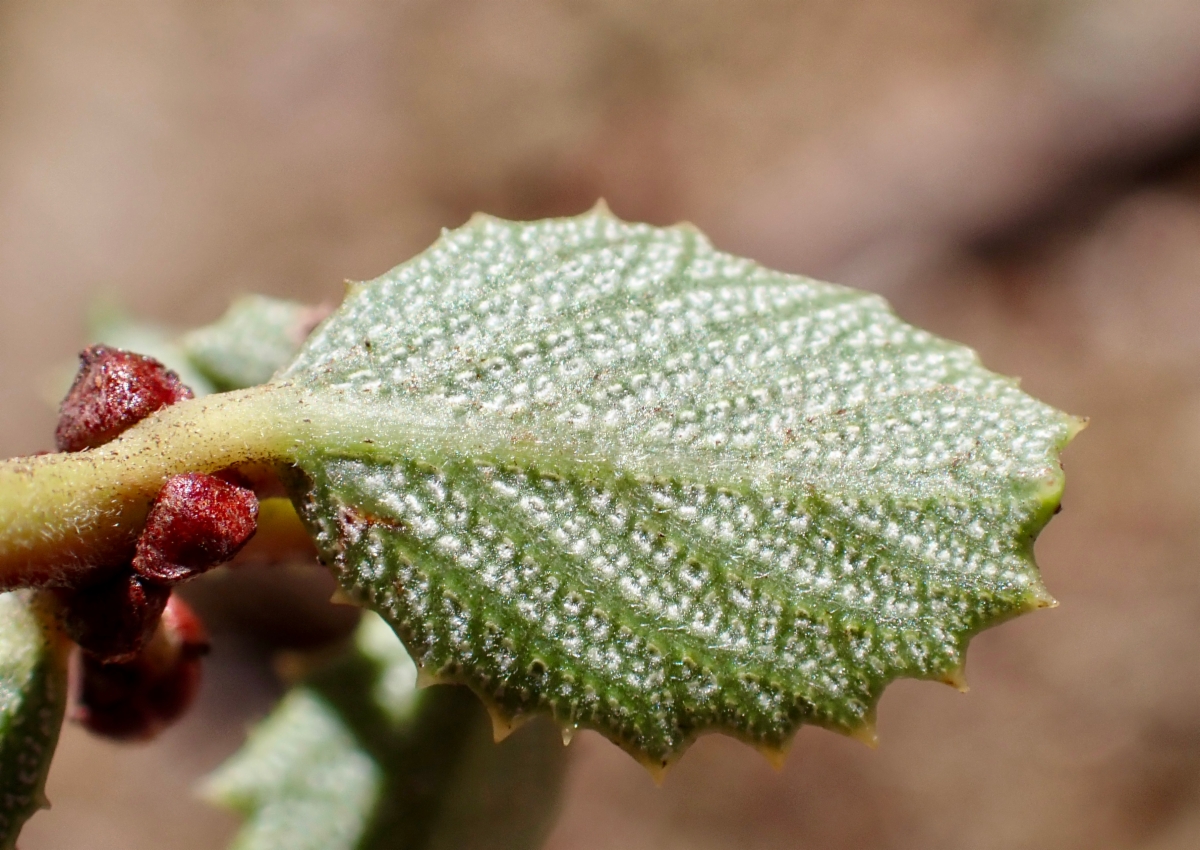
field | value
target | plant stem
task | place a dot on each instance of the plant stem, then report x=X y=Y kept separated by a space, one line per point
x=63 y=515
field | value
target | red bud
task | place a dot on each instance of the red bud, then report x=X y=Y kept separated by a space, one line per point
x=113 y=390
x=112 y=620
x=196 y=522
x=137 y=699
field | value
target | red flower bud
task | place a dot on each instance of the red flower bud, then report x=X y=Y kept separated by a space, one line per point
x=196 y=522
x=137 y=699
x=113 y=390
x=112 y=620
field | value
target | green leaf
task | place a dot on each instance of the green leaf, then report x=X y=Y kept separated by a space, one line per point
x=256 y=336
x=33 y=696
x=357 y=757
x=616 y=476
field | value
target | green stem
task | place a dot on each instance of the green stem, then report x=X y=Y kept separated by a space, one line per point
x=63 y=515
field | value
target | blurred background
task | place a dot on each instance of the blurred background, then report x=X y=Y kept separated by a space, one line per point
x=1019 y=175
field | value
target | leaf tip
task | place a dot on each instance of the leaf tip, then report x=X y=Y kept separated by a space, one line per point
x=568 y=734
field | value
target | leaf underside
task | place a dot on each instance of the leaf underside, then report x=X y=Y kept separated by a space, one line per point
x=355 y=757
x=652 y=489
x=33 y=692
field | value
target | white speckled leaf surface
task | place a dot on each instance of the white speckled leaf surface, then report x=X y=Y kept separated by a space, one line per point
x=651 y=488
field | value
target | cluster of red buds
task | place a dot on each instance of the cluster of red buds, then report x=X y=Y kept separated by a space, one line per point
x=138 y=665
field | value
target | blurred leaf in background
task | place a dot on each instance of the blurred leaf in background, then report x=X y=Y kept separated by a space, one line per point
x=256 y=336
x=356 y=756
x=33 y=698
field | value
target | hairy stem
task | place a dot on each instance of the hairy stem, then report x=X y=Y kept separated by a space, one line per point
x=62 y=515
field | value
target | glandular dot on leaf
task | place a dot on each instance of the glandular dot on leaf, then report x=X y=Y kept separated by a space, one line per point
x=606 y=472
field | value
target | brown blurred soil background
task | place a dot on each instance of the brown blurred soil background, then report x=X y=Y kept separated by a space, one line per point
x=1019 y=175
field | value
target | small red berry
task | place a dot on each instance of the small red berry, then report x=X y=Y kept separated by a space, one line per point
x=112 y=620
x=113 y=390
x=137 y=699
x=197 y=521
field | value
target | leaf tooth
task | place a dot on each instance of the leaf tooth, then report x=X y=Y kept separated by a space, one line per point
x=341 y=597
x=956 y=678
x=865 y=731
x=503 y=724
x=425 y=678
x=656 y=767
x=1043 y=599
x=775 y=754
x=568 y=733
x=477 y=219
x=1038 y=597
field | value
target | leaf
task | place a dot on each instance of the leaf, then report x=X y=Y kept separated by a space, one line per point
x=33 y=692
x=256 y=336
x=619 y=477
x=356 y=757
